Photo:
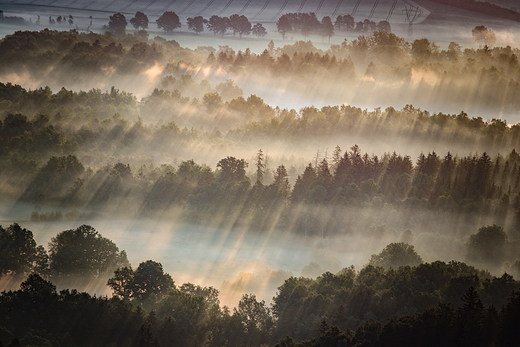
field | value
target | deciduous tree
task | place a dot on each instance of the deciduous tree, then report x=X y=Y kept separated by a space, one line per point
x=483 y=35
x=259 y=30
x=83 y=251
x=283 y=25
x=168 y=21
x=140 y=20
x=488 y=245
x=327 y=28
x=150 y=279
x=232 y=169
x=117 y=23
x=196 y=24
x=218 y=25
x=122 y=282
x=396 y=254
x=18 y=251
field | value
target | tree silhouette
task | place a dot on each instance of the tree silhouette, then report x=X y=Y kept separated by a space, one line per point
x=196 y=24
x=140 y=20
x=169 y=21
x=283 y=25
x=117 y=23
x=259 y=30
x=395 y=255
x=83 y=251
x=18 y=251
x=488 y=245
x=483 y=35
x=150 y=279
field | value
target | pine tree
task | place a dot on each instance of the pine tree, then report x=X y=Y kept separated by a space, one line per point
x=343 y=171
x=281 y=180
x=324 y=178
x=336 y=158
x=303 y=184
x=260 y=166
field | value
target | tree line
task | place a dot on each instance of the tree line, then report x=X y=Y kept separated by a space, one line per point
x=308 y=23
x=305 y=23
x=169 y=21
x=449 y=189
x=395 y=294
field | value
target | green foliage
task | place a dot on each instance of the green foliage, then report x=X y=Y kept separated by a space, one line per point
x=196 y=24
x=284 y=25
x=84 y=252
x=209 y=294
x=148 y=284
x=471 y=325
x=327 y=28
x=122 y=283
x=36 y=285
x=474 y=185
x=18 y=251
x=150 y=280
x=37 y=314
x=364 y=301
x=232 y=170
x=218 y=25
x=228 y=90
x=350 y=308
x=240 y=24
x=395 y=255
x=258 y=30
x=90 y=150
x=212 y=102
x=117 y=23
x=168 y=21
x=140 y=20
x=87 y=57
x=488 y=245
x=256 y=320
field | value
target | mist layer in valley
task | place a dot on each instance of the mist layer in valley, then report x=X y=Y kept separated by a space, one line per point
x=156 y=144
x=240 y=261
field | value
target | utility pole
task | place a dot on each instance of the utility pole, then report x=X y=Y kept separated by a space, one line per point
x=412 y=14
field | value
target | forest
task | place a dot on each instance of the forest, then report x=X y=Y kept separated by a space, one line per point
x=484 y=79
x=395 y=298
x=184 y=143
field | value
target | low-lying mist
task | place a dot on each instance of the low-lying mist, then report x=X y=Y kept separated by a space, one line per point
x=157 y=147
x=238 y=260
x=376 y=70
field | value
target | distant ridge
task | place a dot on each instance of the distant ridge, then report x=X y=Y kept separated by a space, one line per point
x=482 y=7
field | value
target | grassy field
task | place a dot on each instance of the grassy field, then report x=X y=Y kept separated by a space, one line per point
x=264 y=11
x=437 y=22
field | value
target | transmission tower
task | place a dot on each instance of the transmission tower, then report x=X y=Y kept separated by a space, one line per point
x=412 y=14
